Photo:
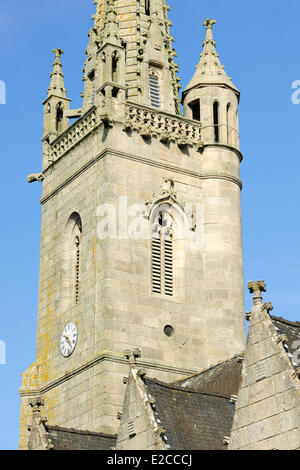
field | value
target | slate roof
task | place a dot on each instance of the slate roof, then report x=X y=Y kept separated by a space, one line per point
x=292 y=332
x=192 y=420
x=223 y=378
x=72 y=439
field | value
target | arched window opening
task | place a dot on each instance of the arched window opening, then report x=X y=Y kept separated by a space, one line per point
x=59 y=117
x=195 y=108
x=154 y=90
x=216 y=121
x=71 y=263
x=162 y=254
x=229 y=124
x=75 y=259
x=147 y=7
x=114 y=67
x=77 y=268
x=91 y=77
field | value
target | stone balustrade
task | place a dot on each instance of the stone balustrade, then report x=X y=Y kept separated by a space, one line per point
x=74 y=134
x=166 y=127
x=146 y=121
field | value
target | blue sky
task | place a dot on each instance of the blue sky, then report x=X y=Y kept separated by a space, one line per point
x=258 y=43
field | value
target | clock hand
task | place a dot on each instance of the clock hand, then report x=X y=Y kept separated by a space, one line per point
x=68 y=340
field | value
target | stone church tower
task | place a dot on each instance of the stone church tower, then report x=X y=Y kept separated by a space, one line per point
x=141 y=221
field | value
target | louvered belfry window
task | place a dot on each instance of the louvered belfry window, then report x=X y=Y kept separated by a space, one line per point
x=162 y=256
x=154 y=91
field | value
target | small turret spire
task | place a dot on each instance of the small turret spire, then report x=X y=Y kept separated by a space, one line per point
x=57 y=86
x=110 y=32
x=210 y=70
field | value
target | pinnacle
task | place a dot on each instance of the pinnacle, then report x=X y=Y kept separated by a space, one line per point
x=210 y=70
x=57 y=86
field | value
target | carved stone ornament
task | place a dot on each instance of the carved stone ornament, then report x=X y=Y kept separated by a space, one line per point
x=256 y=288
x=268 y=307
x=168 y=195
x=283 y=339
x=132 y=354
x=151 y=123
x=35 y=177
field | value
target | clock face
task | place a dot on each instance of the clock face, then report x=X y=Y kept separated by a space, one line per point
x=68 y=339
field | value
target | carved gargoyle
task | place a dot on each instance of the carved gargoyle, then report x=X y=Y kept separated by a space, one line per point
x=35 y=177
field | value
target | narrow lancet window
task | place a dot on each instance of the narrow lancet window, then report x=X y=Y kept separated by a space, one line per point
x=229 y=123
x=71 y=264
x=216 y=121
x=147 y=7
x=76 y=258
x=77 y=268
x=59 y=117
x=91 y=77
x=114 y=67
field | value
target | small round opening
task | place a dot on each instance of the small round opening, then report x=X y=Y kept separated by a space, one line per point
x=169 y=330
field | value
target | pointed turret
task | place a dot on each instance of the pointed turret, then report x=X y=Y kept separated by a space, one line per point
x=210 y=70
x=57 y=86
x=211 y=97
x=56 y=106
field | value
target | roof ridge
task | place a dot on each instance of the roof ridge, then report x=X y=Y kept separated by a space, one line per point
x=172 y=386
x=79 y=431
x=212 y=366
x=284 y=320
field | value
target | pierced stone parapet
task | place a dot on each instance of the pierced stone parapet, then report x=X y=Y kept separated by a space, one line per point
x=74 y=134
x=166 y=127
x=147 y=122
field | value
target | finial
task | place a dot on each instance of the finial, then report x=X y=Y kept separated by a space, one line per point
x=257 y=288
x=209 y=23
x=58 y=52
x=209 y=33
x=36 y=403
x=132 y=355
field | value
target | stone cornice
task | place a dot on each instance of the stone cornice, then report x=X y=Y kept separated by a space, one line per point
x=228 y=147
x=146 y=161
x=105 y=356
x=53 y=95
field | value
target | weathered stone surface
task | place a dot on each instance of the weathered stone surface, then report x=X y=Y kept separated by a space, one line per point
x=125 y=144
x=267 y=415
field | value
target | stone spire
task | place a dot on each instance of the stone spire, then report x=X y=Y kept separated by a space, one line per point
x=57 y=86
x=210 y=70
